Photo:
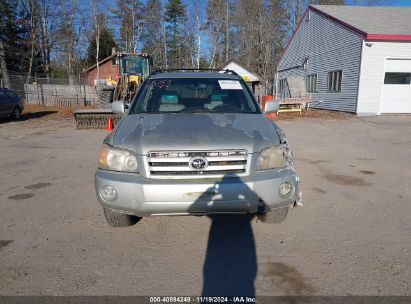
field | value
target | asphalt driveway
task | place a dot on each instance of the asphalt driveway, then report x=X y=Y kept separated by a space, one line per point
x=352 y=237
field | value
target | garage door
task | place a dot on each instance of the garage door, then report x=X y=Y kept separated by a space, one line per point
x=396 y=93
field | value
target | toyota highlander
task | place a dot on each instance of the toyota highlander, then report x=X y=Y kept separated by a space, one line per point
x=195 y=143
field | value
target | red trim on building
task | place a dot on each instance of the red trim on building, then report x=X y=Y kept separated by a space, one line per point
x=365 y=36
x=326 y=15
x=388 y=37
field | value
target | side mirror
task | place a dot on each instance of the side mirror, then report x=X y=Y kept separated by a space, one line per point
x=118 y=107
x=271 y=106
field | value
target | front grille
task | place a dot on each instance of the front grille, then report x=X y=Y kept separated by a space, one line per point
x=177 y=163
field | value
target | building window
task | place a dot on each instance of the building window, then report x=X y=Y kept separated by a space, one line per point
x=282 y=86
x=311 y=83
x=334 y=81
x=397 y=78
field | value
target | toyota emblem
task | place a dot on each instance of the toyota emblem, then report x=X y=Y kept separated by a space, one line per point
x=198 y=163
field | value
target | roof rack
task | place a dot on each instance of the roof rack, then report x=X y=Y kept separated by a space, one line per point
x=194 y=70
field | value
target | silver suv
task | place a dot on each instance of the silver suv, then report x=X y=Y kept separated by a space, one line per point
x=195 y=143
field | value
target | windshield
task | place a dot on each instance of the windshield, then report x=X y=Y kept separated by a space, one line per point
x=133 y=65
x=194 y=95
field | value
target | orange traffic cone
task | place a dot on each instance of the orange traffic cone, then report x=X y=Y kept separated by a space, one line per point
x=271 y=115
x=109 y=124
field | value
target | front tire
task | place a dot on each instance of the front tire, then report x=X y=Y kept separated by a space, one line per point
x=117 y=219
x=17 y=113
x=275 y=216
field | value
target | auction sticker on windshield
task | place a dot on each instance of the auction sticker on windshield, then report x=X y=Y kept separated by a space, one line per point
x=230 y=85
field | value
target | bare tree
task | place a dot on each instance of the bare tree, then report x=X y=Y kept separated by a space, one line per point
x=49 y=18
x=216 y=12
x=97 y=15
x=44 y=20
x=260 y=28
x=165 y=45
x=130 y=14
x=3 y=67
x=153 y=33
x=200 y=26
x=42 y=16
x=195 y=27
x=298 y=12
x=253 y=32
x=31 y=9
x=69 y=34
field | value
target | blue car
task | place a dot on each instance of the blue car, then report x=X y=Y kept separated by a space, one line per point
x=10 y=104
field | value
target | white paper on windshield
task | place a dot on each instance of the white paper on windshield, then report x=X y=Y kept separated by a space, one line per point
x=230 y=85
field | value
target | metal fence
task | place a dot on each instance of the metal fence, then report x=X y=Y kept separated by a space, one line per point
x=54 y=91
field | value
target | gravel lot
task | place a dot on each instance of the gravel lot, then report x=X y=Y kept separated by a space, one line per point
x=352 y=237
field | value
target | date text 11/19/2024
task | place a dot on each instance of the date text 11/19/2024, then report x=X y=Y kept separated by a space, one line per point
x=239 y=299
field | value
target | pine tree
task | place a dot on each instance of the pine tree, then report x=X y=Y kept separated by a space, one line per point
x=13 y=33
x=106 y=45
x=175 y=17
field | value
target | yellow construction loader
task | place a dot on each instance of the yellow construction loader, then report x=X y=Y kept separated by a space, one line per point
x=132 y=70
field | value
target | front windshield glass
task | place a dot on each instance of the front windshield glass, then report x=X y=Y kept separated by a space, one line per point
x=194 y=95
x=133 y=65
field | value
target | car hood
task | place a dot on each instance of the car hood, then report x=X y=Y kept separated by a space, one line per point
x=188 y=131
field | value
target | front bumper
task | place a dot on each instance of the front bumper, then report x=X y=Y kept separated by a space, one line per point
x=140 y=196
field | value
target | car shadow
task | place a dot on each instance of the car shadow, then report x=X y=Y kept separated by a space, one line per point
x=27 y=116
x=230 y=265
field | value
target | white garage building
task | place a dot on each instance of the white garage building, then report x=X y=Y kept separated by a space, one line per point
x=350 y=58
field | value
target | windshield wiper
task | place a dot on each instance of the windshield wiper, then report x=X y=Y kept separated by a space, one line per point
x=198 y=111
x=157 y=112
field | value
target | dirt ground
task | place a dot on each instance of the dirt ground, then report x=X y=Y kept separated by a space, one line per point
x=52 y=113
x=42 y=113
x=352 y=237
x=317 y=114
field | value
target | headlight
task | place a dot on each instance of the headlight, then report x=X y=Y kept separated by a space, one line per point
x=271 y=158
x=286 y=189
x=117 y=159
x=276 y=157
x=288 y=156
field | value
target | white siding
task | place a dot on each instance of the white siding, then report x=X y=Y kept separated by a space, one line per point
x=372 y=72
x=328 y=46
x=241 y=71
